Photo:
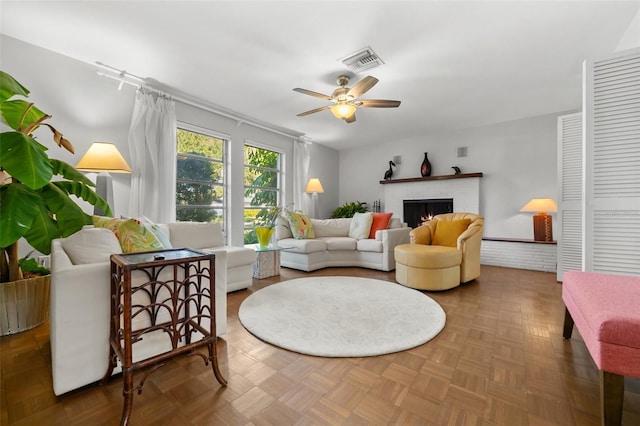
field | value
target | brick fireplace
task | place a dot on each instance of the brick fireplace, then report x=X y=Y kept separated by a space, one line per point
x=463 y=189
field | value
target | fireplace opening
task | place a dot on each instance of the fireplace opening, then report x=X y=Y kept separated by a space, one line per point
x=414 y=210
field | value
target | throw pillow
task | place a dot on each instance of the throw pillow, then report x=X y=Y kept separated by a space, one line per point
x=300 y=225
x=361 y=225
x=132 y=235
x=380 y=221
x=91 y=245
x=448 y=231
x=157 y=231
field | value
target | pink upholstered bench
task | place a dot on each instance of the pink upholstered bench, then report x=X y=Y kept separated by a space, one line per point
x=606 y=310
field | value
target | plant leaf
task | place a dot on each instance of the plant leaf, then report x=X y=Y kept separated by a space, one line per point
x=86 y=193
x=69 y=172
x=43 y=229
x=18 y=209
x=9 y=87
x=13 y=111
x=25 y=159
x=69 y=216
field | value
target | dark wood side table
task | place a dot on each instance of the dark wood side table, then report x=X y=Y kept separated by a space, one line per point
x=175 y=294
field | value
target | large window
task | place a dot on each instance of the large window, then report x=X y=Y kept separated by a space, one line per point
x=262 y=176
x=200 y=177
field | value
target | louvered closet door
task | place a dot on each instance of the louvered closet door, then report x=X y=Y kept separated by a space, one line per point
x=612 y=164
x=569 y=193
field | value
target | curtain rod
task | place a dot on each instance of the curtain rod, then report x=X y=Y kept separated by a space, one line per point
x=123 y=76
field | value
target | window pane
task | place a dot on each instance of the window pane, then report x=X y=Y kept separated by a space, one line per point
x=261 y=187
x=199 y=177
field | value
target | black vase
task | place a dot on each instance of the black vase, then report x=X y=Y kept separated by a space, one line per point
x=425 y=168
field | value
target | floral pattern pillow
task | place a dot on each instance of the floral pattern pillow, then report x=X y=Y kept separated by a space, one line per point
x=132 y=235
x=300 y=225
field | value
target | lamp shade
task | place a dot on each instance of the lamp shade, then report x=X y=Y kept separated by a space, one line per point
x=103 y=157
x=343 y=110
x=540 y=205
x=314 y=185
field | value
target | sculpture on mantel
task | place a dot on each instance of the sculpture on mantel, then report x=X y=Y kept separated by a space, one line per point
x=456 y=170
x=389 y=173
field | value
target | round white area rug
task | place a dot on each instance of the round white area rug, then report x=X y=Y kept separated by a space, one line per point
x=341 y=316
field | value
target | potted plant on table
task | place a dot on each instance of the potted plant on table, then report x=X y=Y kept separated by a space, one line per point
x=33 y=205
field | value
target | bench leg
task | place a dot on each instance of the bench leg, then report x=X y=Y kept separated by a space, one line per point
x=611 y=398
x=568 y=324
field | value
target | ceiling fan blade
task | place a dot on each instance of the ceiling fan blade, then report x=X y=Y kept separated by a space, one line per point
x=377 y=103
x=302 y=114
x=351 y=119
x=362 y=86
x=311 y=93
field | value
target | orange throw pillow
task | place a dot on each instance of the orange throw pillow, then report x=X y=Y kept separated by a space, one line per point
x=448 y=231
x=380 y=221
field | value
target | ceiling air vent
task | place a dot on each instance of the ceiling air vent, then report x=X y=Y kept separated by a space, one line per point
x=362 y=60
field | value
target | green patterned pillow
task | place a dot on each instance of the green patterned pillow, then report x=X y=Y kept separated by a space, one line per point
x=300 y=225
x=132 y=235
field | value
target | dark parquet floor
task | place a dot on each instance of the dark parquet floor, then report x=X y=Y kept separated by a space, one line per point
x=500 y=360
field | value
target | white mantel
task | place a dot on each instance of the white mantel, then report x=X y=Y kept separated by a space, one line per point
x=464 y=189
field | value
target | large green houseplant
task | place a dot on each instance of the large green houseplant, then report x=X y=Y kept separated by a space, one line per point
x=35 y=190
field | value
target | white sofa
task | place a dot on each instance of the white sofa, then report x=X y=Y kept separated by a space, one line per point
x=80 y=291
x=332 y=246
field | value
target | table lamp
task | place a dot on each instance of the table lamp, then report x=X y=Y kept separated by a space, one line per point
x=103 y=158
x=542 y=222
x=314 y=187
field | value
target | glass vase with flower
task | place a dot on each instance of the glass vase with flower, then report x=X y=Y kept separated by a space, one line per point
x=265 y=224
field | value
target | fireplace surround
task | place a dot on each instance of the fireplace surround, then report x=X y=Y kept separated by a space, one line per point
x=415 y=210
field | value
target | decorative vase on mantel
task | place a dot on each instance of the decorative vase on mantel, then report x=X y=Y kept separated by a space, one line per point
x=425 y=168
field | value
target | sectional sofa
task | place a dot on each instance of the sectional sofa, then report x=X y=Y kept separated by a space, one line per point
x=332 y=245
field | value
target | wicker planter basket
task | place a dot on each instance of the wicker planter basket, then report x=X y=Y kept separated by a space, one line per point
x=24 y=304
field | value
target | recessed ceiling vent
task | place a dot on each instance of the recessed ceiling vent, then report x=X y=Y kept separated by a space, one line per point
x=362 y=60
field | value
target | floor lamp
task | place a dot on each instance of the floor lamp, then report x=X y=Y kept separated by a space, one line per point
x=314 y=187
x=542 y=222
x=103 y=158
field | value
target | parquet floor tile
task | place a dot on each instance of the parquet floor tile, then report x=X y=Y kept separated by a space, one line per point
x=500 y=361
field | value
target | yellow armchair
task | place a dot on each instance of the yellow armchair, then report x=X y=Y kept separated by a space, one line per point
x=441 y=256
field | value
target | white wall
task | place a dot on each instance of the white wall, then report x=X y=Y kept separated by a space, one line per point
x=85 y=107
x=324 y=166
x=517 y=158
x=88 y=108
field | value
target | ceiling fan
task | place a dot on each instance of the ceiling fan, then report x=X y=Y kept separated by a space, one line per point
x=345 y=99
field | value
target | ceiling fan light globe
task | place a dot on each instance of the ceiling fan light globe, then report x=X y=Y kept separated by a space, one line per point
x=343 y=110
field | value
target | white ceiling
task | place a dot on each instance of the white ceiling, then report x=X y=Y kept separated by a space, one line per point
x=451 y=63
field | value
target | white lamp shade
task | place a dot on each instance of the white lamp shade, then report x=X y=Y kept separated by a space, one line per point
x=343 y=110
x=103 y=157
x=540 y=205
x=314 y=185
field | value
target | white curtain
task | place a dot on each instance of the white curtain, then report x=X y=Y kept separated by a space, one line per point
x=301 y=161
x=152 y=145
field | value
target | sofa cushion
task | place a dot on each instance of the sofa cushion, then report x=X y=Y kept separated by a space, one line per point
x=331 y=227
x=300 y=225
x=380 y=221
x=340 y=243
x=394 y=223
x=132 y=234
x=360 y=225
x=196 y=235
x=370 y=245
x=239 y=256
x=448 y=231
x=302 y=246
x=91 y=245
